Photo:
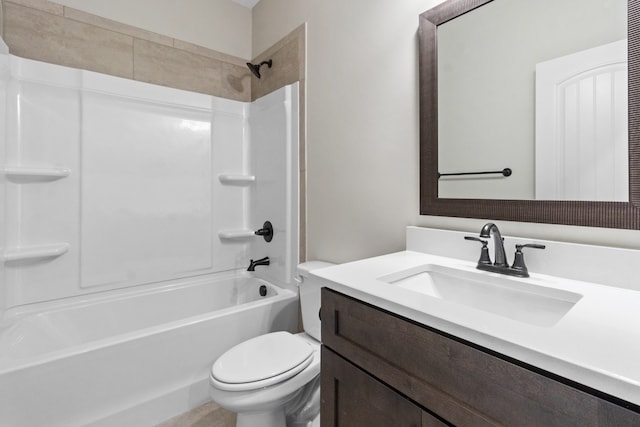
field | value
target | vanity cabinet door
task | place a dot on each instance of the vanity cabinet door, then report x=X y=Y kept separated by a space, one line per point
x=352 y=398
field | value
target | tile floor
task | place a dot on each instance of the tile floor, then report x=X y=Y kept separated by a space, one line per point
x=207 y=415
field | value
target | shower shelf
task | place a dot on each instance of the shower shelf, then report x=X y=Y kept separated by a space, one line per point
x=240 y=180
x=235 y=234
x=24 y=171
x=35 y=252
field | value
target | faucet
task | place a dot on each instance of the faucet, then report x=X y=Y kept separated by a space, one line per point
x=500 y=265
x=261 y=261
x=498 y=246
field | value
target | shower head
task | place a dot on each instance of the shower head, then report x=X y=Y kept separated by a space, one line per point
x=255 y=68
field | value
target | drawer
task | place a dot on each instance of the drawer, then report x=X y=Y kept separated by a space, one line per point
x=460 y=382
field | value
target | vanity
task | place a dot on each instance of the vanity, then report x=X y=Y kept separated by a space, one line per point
x=403 y=345
x=388 y=361
x=424 y=338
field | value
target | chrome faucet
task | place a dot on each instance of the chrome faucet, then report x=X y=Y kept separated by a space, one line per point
x=261 y=261
x=500 y=265
x=498 y=245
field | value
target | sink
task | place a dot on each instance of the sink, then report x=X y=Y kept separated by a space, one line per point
x=512 y=298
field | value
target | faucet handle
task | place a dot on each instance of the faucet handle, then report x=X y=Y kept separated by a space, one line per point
x=518 y=260
x=266 y=231
x=484 y=251
x=530 y=245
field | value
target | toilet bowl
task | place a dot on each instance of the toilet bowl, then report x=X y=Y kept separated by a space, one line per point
x=273 y=378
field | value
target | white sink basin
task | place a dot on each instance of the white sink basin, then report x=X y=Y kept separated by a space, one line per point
x=504 y=296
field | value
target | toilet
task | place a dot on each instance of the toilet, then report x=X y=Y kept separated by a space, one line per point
x=273 y=380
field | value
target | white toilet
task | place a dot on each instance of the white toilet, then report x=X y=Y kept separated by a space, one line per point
x=273 y=380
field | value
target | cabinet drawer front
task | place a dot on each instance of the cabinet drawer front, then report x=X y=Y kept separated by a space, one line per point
x=461 y=383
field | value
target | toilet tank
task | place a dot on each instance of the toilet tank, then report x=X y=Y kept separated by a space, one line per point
x=310 y=296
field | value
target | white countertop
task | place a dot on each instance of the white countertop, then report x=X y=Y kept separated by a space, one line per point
x=597 y=343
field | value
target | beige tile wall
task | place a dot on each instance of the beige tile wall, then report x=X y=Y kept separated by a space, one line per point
x=288 y=57
x=49 y=32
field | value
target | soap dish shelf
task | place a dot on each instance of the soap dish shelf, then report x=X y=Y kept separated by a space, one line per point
x=35 y=252
x=236 y=234
x=236 y=179
x=36 y=172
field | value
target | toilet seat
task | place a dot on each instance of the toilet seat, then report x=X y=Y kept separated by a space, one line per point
x=261 y=361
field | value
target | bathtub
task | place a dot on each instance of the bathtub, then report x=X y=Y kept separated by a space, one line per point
x=129 y=358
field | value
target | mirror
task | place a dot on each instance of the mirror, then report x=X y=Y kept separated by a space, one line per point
x=436 y=125
x=540 y=93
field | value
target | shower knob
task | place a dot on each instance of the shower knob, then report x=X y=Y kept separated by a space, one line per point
x=266 y=231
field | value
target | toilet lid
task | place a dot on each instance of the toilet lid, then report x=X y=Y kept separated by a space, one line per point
x=261 y=361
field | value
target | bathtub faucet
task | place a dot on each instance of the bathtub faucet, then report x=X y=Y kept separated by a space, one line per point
x=261 y=261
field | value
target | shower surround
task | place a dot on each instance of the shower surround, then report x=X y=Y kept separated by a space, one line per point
x=111 y=186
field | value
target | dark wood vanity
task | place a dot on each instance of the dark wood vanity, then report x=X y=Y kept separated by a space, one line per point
x=379 y=369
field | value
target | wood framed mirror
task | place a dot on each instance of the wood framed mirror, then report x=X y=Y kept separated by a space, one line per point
x=607 y=214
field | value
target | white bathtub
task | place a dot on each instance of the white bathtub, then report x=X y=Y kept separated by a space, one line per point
x=132 y=358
